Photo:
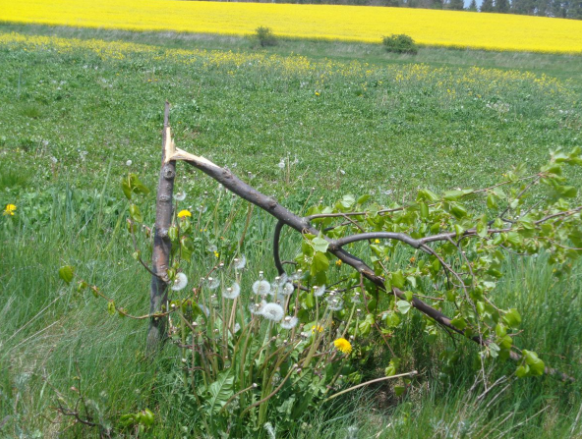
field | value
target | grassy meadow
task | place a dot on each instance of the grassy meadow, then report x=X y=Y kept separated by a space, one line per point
x=79 y=109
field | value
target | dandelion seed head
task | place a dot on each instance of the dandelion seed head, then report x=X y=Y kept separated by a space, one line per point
x=180 y=282
x=232 y=292
x=212 y=283
x=335 y=303
x=180 y=196
x=289 y=322
x=319 y=291
x=262 y=288
x=128 y=163
x=273 y=312
x=239 y=263
x=287 y=289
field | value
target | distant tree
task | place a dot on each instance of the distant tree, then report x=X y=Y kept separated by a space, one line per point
x=457 y=5
x=575 y=10
x=473 y=6
x=487 y=6
x=502 y=6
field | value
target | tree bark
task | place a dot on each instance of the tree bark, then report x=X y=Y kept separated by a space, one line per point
x=162 y=242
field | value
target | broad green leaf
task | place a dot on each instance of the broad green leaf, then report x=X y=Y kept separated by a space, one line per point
x=512 y=318
x=320 y=244
x=535 y=364
x=426 y=195
x=319 y=263
x=111 y=307
x=67 y=273
x=221 y=390
x=522 y=371
x=403 y=306
x=392 y=320
x=397 y=279
x=348 y=201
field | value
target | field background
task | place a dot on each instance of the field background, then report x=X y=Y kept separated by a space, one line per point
x=331 y=22
x=76 y=106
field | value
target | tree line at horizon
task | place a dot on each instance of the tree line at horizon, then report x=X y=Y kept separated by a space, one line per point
x=542 y=8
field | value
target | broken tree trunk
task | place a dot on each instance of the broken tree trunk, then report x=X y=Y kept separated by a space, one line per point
x=162 y=242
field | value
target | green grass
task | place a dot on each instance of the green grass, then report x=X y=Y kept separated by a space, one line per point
x=69 y=122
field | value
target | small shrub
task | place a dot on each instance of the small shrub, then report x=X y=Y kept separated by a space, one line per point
x=266 y=37
x=400 y=44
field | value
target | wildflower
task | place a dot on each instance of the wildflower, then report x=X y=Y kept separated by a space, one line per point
x=213 y=283
x=412 y=260
x=128 y=163
x=338 y=262
x=289 y=322
x=239 y=263
x=216 y=254
x=232 y=292
x=287 y=289
x=343 y=346
x=180 y=282
x=10 y=208
x=202 y=209
x=334 y=303
x=184 y=214
x=273 y=311
x=317 y=328
x=262 y=288
x=281 y=164
x=180 y=196
x=297 y=275
x=319 y=291
x=376 y=241
x=257 y=308
x=317 y=93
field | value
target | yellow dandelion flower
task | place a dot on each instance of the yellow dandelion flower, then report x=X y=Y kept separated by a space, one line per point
x=317 y=328
x=216 y=254
x=338 y=262
x=343 y=346
x=10 y=208
x=184 y=214
x=376 y=241
x=317 y=93
x=412 y=260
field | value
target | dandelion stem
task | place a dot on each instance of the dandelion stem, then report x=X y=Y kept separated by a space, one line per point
x=377 y=380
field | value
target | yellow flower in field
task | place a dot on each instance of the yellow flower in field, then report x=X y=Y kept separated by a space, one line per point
x=184 y=214
x=317 y=93
x=10 y=208
x=343 y=346
x=317 y=328
x=338 y=262
x=216 y=254
x=376 y=241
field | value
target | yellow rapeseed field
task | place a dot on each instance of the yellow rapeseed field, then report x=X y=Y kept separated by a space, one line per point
x=352 y=23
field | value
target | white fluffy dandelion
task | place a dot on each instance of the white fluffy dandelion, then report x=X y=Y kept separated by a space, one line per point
x=273 y=311
x=319 y=291
x=289 y=322
x=334 y=303
x=212 y=283
x=180 y=282
x=239 y=263
x=297 y=275
x=262 y=287
x=180 y=196
x=232 y=292
x=257 y=308
x=287 y=289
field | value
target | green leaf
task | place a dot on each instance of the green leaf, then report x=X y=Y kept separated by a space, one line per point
x=456 y=194
x=403 y=306
x=392 y=320
x=111 y=307
x=221 y=390
x=457 y=210
x=424 y=211
x=426 y=195
x=459 y=322
x=348 y=201
x=66 y=273
x=512 y=318
x=126 y=187
x=135 y=213
x=535 y=364
x=173 y=233
x=319 y=263
x=522 y=371
x=320 y=244
x=397 y=279
x=399 y=390
x=392 y=367
x=492 y=201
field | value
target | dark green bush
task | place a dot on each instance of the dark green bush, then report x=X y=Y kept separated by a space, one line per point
x=400 y=44
x=266 y=37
